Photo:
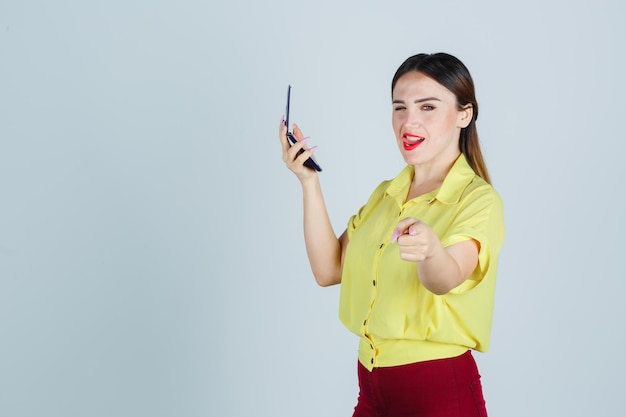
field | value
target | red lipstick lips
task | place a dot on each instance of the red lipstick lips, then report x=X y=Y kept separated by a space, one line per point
x=411 y=141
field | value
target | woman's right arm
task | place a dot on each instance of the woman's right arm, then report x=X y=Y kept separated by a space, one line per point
x=324 y=249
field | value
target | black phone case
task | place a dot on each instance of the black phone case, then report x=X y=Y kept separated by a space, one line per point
x=310 y=162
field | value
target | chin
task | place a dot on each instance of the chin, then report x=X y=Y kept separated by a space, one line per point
x=411 y=161
x=411 y=158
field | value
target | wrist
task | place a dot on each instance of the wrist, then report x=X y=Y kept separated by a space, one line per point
x=309 y=182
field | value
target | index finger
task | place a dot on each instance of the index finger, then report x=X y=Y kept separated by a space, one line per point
x=297 y=132
x=403 y=228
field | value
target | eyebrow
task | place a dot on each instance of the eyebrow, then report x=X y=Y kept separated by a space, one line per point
x=419 y=100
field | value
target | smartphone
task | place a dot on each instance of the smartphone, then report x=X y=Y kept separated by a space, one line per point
x=310 y=162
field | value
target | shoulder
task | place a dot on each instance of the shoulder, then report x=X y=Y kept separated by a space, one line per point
x=480 y=191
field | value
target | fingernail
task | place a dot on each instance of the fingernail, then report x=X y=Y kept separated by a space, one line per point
x=394 y=235
x=313 y=148
x=305 y=140
x=412 y=232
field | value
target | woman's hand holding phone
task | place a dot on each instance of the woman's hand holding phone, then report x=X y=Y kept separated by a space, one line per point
x=295 y=155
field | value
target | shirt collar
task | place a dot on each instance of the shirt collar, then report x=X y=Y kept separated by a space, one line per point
x=457 y=179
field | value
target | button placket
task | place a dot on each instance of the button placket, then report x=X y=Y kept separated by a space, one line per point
x=381 y=249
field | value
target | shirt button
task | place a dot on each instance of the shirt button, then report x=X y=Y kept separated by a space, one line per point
x=371 y=346
x=372 y=361
x=364 y=322
x=374 y=282
x=381 y=246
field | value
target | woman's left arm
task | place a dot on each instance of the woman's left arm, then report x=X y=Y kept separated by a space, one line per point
x=439 y=268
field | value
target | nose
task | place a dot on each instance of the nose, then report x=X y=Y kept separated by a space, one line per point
x=413 y=118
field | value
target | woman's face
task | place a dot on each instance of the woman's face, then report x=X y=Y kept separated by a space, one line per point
x=426 y=121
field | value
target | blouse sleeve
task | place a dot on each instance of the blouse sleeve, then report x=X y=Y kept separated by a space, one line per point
x=481 y=219
x=356 y=219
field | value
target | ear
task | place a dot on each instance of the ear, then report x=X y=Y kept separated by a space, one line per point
x=465 y=116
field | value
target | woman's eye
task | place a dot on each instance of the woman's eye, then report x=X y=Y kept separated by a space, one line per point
x=428 y=107
x=399 y=108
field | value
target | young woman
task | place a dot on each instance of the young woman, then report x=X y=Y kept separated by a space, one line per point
x=417 y=263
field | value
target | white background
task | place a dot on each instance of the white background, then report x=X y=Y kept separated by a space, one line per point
x=151 y=256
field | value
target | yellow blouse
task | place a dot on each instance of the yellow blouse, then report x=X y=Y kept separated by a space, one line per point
x=382 y=300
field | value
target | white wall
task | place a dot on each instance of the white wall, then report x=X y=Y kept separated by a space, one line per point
x=151 y=257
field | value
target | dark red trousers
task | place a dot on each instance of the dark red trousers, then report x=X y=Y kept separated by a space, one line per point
x=439 y=388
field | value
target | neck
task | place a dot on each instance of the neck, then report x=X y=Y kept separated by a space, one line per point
x=428 y=178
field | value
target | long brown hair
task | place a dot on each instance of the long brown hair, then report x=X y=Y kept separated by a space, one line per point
x=450 y=72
